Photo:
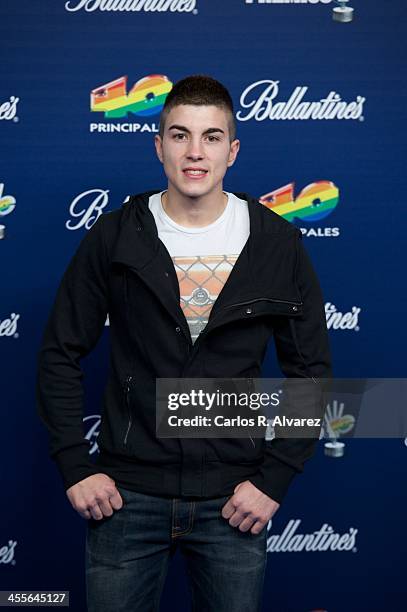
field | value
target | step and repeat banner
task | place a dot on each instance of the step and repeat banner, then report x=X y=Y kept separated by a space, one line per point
x=320 y=106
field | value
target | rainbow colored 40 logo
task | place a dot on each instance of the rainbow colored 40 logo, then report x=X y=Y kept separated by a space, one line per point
x=313 y=203
x=146 y=97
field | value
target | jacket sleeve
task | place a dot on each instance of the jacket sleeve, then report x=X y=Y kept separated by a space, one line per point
x=74 y=326
x=302 y=349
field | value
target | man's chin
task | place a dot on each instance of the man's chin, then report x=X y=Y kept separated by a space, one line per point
x=195 y=191
x=192 y=193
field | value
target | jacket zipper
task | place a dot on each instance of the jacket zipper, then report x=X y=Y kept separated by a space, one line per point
x=126 y=395
x=264 y=299
x=250 y=385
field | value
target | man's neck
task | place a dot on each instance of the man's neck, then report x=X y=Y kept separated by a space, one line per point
x=193 y=212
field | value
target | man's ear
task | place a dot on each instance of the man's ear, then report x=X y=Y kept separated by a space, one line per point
x=234 y=150
x=158 y=147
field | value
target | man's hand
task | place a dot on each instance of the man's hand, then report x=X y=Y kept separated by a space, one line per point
x=95 y=496
x=249 y=508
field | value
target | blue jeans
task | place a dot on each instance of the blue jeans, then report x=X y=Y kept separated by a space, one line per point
x=127 y=556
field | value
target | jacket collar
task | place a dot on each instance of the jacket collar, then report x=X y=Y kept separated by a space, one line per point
x=139 y=248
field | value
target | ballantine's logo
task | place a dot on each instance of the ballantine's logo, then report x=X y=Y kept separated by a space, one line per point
x=93 y=421
x=323 y=539
x=151 y=6
x=259 y=98
x=8 y=110
x=8 y=327
x=90 y=210
x=341 y=320
x=146 y=97
x=7 y=552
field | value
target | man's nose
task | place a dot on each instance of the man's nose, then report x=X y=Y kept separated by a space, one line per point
x=194 y=150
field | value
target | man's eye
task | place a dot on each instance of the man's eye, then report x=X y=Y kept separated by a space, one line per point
x=210 y=137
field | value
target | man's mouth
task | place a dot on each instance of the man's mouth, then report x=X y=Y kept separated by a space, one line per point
x=195 y=173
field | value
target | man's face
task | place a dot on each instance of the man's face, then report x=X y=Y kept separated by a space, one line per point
x=196 y=138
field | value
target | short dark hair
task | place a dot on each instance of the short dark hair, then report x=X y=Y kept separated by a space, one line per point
x=199 y=89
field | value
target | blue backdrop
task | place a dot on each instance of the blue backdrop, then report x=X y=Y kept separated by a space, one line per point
x=320 y=112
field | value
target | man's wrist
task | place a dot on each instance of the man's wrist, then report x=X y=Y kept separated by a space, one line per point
x=74 y=464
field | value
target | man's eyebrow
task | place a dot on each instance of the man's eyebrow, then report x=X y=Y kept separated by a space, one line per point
x=185 y=129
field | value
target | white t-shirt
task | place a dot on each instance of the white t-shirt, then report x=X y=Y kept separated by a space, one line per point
x=203 y=257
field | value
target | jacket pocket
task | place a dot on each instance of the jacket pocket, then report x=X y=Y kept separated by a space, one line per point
x=237 y=369
x=245 y=449
x=237 y=451
x=269 y=307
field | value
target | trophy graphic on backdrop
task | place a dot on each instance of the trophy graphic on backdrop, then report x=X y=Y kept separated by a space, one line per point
x=342 y=13
x=336 y=423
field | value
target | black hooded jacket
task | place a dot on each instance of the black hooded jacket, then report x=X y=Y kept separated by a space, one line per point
x=122 y=270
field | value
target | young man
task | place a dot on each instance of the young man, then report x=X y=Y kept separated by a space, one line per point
x=195 y=281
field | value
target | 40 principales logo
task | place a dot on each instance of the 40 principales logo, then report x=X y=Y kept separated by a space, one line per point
x=7 y=205
x=144 y=99
x=320 y=540
x=312 y=205
x=7 y=202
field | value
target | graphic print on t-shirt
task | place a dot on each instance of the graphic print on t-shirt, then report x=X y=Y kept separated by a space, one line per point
x=201 y=279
